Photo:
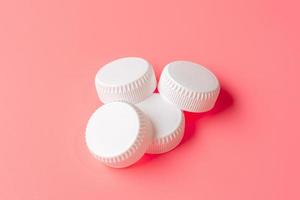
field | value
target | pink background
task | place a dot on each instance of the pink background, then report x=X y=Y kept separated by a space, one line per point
x=246 y=148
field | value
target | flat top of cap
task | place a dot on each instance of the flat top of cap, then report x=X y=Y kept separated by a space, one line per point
x=122 y=71
x=165 y=117
x=112 y=129
x=192 y=76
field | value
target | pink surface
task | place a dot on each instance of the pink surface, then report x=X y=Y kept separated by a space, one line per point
x=246 y=148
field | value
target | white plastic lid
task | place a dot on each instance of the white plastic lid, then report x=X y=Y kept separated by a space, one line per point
x=118 y=134
x=190 y=86
x=167 y=121
x=129 y=79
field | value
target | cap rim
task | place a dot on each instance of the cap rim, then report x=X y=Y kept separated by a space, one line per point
x=185 y=99
x=132 y=92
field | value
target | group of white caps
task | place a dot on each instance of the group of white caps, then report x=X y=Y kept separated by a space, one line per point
x=134 y=120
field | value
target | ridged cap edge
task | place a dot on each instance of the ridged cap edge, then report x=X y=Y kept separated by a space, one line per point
x=132 y=92
x=188 y=100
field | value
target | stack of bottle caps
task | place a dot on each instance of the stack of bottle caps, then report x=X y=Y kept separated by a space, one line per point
x=134 y=120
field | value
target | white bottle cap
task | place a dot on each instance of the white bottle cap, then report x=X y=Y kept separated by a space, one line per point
x=129 y=79
x=118 y=134
x=167 y=121
x=189 y=86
